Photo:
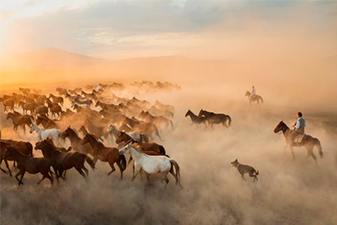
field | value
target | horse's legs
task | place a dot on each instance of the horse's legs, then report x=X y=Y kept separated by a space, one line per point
x=81 y=172
x=9 y=171
x=243 y=176
x=165 y=178
x=112 y=168
x=292 y=152
x=311 y=153
x=121 y=169
x=44 y=177
x=137 y=169
x=86 y=170
x=148 y=177
x=23 y=173
x=17 y=176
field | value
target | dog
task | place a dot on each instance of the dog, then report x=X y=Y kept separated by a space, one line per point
x=245 y=169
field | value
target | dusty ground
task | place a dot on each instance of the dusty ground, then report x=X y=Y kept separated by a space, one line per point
x=288 y=192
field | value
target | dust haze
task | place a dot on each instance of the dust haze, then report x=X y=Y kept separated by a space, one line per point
x=288 y=191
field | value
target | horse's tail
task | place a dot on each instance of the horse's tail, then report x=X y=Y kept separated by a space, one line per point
x=162 y=150
x=229 y=120
x=122 y=162
x=157 y=132
x=257 y=173
x=261 y=99
x=90 y=162
x=177 y=169
x=318 y=144
x=30 y=148
x=171 y=124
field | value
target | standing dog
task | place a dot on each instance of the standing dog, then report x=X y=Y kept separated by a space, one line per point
x=245 y=169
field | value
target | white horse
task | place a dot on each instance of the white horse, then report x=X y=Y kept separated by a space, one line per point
x=152 y=164
x=43 y=134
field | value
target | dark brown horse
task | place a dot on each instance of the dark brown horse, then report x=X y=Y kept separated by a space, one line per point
x=19 y=120
x=25 y=148
x=196 y=119
x=64 y=161
x=105 y=154
x=216 y=118
x=29 y=164
x=307 y=141
x=75 y=141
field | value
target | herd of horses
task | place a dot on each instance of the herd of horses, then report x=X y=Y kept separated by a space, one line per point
x=94 y=118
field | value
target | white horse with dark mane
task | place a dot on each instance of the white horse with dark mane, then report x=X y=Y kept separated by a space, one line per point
x=43 y=134
x=152 y=164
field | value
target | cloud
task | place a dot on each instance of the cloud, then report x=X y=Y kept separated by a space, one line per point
x=163 y=26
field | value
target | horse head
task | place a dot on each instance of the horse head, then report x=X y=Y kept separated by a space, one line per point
x=280 y=126
x=188 y=113
x=248 y=93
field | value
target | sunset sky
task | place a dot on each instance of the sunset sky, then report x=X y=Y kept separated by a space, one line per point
x=201 y=29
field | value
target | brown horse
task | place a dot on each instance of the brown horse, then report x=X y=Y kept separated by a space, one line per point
x=64 y=161
x=30 y=106
x=196 y=119
x=307 y=141
x=54 y=108
x=56 y=99
x=29 y=164
x=25 y=148
x=216 y=118
x=19 y=120
x=42 y=110
x=147 y=128
x=105 y=154
x=75 y=141
x=255 y=98
x=159 y=121
x=8 y=103
x=46 y=122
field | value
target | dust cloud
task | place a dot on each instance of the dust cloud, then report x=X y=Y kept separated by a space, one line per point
x=288 y=192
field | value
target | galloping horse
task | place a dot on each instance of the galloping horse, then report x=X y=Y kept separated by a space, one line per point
x=196 y=119
x=19 y=120
x=64 y=161
x=29 y=164
x=255 y=98
x=105 y=154
x=75 y=141
x=307 y=141
x=216 y=118
x=46 y=133
x=152 y=164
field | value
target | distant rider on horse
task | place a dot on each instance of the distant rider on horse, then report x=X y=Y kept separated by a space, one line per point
x=298 y=127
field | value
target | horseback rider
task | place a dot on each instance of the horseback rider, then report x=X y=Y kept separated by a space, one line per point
x=298 y=127
x=253 y=92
